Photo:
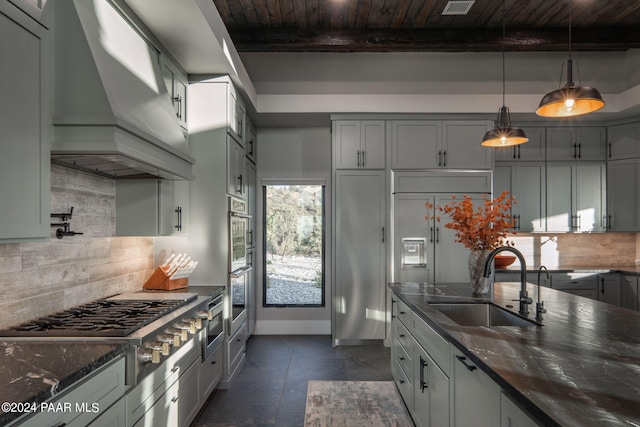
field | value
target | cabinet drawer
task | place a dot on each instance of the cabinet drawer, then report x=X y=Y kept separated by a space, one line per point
x=404 y=339
x=436 y=346
x=211 y=373
x=103 y=388
x=404 y=313
x=404 y=385
x=403 y=358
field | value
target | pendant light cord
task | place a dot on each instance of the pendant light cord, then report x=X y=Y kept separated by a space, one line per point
x=503 y=48
x=570 y=30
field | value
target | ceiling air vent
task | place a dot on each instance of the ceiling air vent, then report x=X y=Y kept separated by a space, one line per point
x=458 y=7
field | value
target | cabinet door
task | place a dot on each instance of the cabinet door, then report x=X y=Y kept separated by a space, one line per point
x=530 y=193
x=461 y=145
x=25 y=161
x=360 y=255
x=504 y=180
x=251 y=147
x=623 y=183
x=560 y=143
x=346 y=144
x=590 y=196
x=236 y=179
x=535 y=148
x=475 y=397
x=165 y=411
x=189 y=402
x=591 y=143
x=609 y=290
x=624 y=141
x=372 y=138
x=415 y=144
x=430 y=392
x=250 y=170
x=560 y=198
x=629 y=292
x=512 y=416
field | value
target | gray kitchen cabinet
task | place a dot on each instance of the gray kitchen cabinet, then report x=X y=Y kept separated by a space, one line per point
x=252 y=289
x=103 y=388
x=402 y=367
x=236 y=176
x=151 y=207
x=629 y=291
x=609 y=289
x=114 y=416
x=251 y=140
x=359 y=144
x=415 y=144
x=430 y=144
x=211 y=373
x=623 y=195
x=624 y=141
x=176 y=84
x=526 y=181
x=576 y=196
x=359 y=255
x=251 y=186
x=511 y=415
x=430 y=383
x=576 y=143
x=475 y=397
x=25 y=47
x=533 y=150
x=461 y=144
x=577 y=283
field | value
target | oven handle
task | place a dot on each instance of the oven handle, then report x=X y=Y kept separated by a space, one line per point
x=239 y=215
x=240 y=272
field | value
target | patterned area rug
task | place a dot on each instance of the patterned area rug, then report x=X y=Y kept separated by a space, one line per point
x=355 y=403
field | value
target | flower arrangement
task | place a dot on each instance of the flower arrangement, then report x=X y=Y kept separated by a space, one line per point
x=484 y=227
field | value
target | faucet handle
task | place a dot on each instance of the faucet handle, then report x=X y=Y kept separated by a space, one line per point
x=526 y=300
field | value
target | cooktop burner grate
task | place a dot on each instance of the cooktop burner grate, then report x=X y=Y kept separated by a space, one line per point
x=110 y=318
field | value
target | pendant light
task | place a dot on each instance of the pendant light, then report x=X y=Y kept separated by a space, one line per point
x=570 y=100
x=504 y=135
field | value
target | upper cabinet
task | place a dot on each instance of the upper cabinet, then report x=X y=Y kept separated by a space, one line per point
x=576 y=143
x=430 y=144
x=533 y=150
x=251 y=141
x=359 y=144
x=25 y=123
x=624 y=141
x=236 y=115
x=176 y=84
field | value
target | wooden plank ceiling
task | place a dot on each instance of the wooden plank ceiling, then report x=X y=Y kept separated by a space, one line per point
x=419 y=25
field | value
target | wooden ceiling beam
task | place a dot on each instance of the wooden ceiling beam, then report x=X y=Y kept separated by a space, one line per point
x=433 y=40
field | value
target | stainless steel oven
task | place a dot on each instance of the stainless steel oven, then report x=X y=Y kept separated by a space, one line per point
x=215 y=326
x=238 y=264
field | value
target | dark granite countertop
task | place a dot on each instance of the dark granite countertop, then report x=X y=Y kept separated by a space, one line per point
x=581 y=368
x=35 y=370
x=624 y=269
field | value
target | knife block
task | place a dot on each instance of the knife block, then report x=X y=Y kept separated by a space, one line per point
x=160 y=281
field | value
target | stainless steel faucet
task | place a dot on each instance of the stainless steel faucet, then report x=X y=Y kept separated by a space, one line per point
x=524 y=296
x=540 y=304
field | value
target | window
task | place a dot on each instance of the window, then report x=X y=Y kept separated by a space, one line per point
x=294 y=245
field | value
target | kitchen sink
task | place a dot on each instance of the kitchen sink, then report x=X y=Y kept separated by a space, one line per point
x=481 y=314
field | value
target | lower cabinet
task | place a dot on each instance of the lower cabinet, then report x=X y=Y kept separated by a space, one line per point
x=581 y=284
x=629 y=291
x=609 y=288
x=439 y=384
x=474 y=396
x=211 y=373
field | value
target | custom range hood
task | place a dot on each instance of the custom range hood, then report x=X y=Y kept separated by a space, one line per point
x=112 y=114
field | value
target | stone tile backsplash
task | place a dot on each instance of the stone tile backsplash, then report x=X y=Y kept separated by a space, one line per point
x=40 y=278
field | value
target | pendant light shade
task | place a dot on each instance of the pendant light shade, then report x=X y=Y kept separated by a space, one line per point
x=570 y=100
x=504 y=135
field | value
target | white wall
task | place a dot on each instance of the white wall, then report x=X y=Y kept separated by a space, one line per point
x=285 y=153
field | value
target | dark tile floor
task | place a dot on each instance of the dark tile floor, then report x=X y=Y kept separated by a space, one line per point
x=271 y=388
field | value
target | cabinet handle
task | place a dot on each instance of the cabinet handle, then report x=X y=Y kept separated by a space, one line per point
x=239 y=190
x=358 y=162
x=602 y=285
x=393 y=316
x=364 y=158
x=178 y=100
x=462 y=360
x=574 y=150
x=579 y=150
x=609 y=150
x=437 y=234
x=430 y=234
x=440 y=158
x=423 y=383
x=174 y=399
x=250 y=237
x=518 y=147
x=382 y=234
x=609 y=222
x=401 y=358
x=178 y=226
x=444 y=155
